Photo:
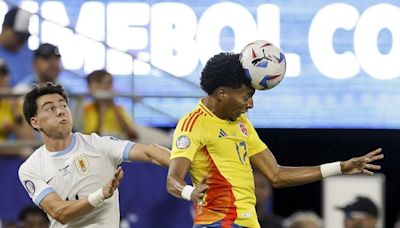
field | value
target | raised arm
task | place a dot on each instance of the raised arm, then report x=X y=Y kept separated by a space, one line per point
x=150 y=153
x=283 y=176
x=65 y=211
x=176 y=184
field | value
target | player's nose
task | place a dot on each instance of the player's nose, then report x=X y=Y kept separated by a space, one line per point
x=60 y=112
x=250 y=103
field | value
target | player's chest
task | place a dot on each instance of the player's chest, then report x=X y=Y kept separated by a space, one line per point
x=72 y=169
x=229 y=143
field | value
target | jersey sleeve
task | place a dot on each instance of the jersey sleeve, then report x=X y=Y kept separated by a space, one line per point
x=117 y=150
x=256 y=145
x=185 y=143
x=33 y=183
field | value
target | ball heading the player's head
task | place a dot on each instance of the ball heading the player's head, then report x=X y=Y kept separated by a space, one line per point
x=264 y=64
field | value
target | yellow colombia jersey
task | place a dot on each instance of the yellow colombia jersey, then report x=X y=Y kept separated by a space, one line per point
x=220 y=149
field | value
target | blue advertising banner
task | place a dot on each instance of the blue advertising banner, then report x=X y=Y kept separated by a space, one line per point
x=342 y=57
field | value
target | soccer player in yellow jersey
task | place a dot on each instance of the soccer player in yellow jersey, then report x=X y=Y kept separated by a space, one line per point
x=218 y=145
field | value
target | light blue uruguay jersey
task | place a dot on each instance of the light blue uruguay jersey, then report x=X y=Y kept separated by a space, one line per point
x=86 y=165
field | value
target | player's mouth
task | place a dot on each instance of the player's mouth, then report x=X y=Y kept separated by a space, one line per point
x=63 y=121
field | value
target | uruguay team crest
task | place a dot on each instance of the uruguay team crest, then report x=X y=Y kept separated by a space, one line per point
x=82 y=164
x=243 y=129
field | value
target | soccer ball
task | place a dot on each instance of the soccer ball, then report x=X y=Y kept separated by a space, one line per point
x=264 y=64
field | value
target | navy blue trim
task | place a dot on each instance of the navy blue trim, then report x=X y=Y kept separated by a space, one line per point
x=125 y=153
x=68 y=149
x=42 y=194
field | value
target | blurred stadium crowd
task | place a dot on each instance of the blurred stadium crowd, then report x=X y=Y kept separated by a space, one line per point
x=96 y=111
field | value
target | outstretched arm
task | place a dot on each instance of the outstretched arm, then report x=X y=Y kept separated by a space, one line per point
x=150 y=153
x=283 y=176
x=64 y=211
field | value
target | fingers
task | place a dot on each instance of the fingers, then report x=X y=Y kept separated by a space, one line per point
x=374 y=152
x=372 y=156
x=201 y=189
x=205 y=178
x=368 y=172
x=377 y=157
x=118 y=175
x=117 y=172
x=373 y=167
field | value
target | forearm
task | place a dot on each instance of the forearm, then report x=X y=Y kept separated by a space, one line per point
x=152 y=153
x=284 y=176
x=176 y=176
x=292 y=176
x=66 y=211
x=158 y=155
x=175 y=186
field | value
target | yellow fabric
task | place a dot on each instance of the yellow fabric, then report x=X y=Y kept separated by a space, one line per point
x=110 y=127
x=6 y=119
x=221 y=150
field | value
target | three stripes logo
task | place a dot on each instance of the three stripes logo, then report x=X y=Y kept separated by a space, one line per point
x=190 y=120
x=222 y=133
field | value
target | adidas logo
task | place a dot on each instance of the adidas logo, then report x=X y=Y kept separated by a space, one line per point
x=222 y=133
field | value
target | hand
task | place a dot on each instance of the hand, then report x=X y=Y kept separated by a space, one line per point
x=361 y=164
x=199 y=192
x=109 y=188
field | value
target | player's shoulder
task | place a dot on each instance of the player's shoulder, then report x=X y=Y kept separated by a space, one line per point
x=94 y=140
x=192 y=120
x=33 y=162
x=87 y=139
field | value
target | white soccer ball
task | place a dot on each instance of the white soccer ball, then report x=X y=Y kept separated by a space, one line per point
x=264 y=64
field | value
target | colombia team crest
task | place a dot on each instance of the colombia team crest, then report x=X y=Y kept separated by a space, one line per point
x=243 y=129
x=82 y=164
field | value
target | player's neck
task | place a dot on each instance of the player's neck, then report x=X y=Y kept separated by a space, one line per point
x=57 y=144
x=212 y=104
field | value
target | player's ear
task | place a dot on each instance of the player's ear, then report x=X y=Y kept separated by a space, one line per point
x=34 y=123
x=220 y=93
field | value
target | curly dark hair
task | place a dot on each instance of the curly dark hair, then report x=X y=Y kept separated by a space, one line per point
x=30 y=106
x=223 y=69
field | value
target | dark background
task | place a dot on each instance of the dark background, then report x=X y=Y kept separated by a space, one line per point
x=300 y=147
x=143 y=192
